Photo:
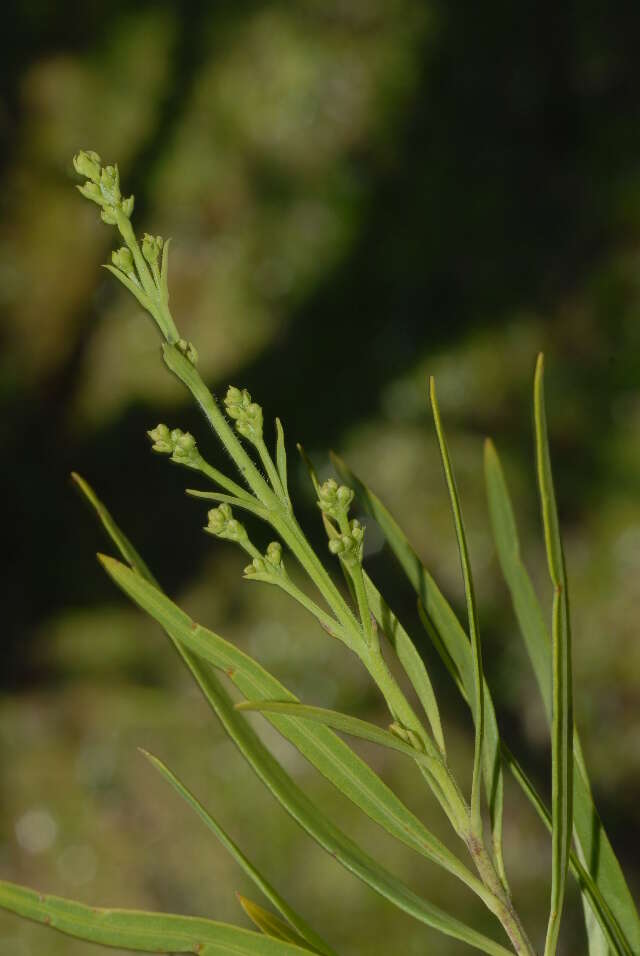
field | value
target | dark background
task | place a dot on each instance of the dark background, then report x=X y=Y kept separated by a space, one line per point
x=360 y=193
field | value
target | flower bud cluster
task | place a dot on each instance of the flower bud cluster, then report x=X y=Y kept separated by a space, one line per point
x=270 y=564
x=246 y=414
x=102 y=186
x=348 y=547
x=334 y=500
x=180 y=445
x=223 y=525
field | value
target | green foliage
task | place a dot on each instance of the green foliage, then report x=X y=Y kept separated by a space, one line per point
x=358 y=618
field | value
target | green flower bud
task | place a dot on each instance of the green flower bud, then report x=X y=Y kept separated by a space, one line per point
x=151 y=249
x=127 y=206
x=110 y=185
x=348 y=547
x=123 y=260
x=91 y=191
x=333 y=500
x=180 y=445
x=188 y=350
x=161 y=440
x=87 y=163
x=247 y=415
x=274 y=554
x=223 y=525
x=108 y=215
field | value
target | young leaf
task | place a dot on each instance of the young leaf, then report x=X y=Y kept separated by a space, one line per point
x=268 y=923
x=330 y=755
x=142 y=932
x=281 y=457
x=592 y=840
x=344 y=723
x=474 y=629
x=448 y=637
x=562 y=707
x=303 y=931
x=310 y=817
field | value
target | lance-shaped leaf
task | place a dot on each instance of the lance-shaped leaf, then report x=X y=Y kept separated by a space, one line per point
x=302 y=929
x=142 y=932
x=309 y=816
x=605 y=918
x=281 y=458
x=354 y=726
x=592 y=840
x=472 y=612
x=562 y=703
x=330 y=755
x=448 y=637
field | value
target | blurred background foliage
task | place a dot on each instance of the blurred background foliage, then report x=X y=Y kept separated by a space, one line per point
x=361 y=192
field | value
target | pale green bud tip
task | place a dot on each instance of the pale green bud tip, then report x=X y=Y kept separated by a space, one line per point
x=151 y=248
x=87 y=163
x=348 y=546
x=247 y=414
x=334 y=500
x=224 y=525
x=180 y=445
x=123 y=260
x=188 y=350
x=102 y=186
x=161 y=439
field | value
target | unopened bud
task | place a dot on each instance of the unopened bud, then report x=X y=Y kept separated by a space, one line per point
x=224 y=525
x=334 y=500
x=127 y=206
x=161 y=439
x=87 y=163
x=110 y=185
x=247 y=414
x=123 y=260
x=188 y=350
x=151 y=248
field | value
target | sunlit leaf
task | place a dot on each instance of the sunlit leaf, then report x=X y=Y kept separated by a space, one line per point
x=310 y=817
x=142 y=932
x=303 y=930
x=593 y=841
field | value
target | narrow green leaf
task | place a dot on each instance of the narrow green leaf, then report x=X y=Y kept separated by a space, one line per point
x=309 y=816
x=303 y=930
x=598 y=906
x=164 y=272
x=592 y=840
x=330 y=755
x=120 y=540
x=281 y=457
x=525 y=602
x=448 y=637
x=142 y=932
x=344 y=723
x=562 y=703
x=411 y=662
x=472 y=612
x=270 y=924
x=131 y=286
